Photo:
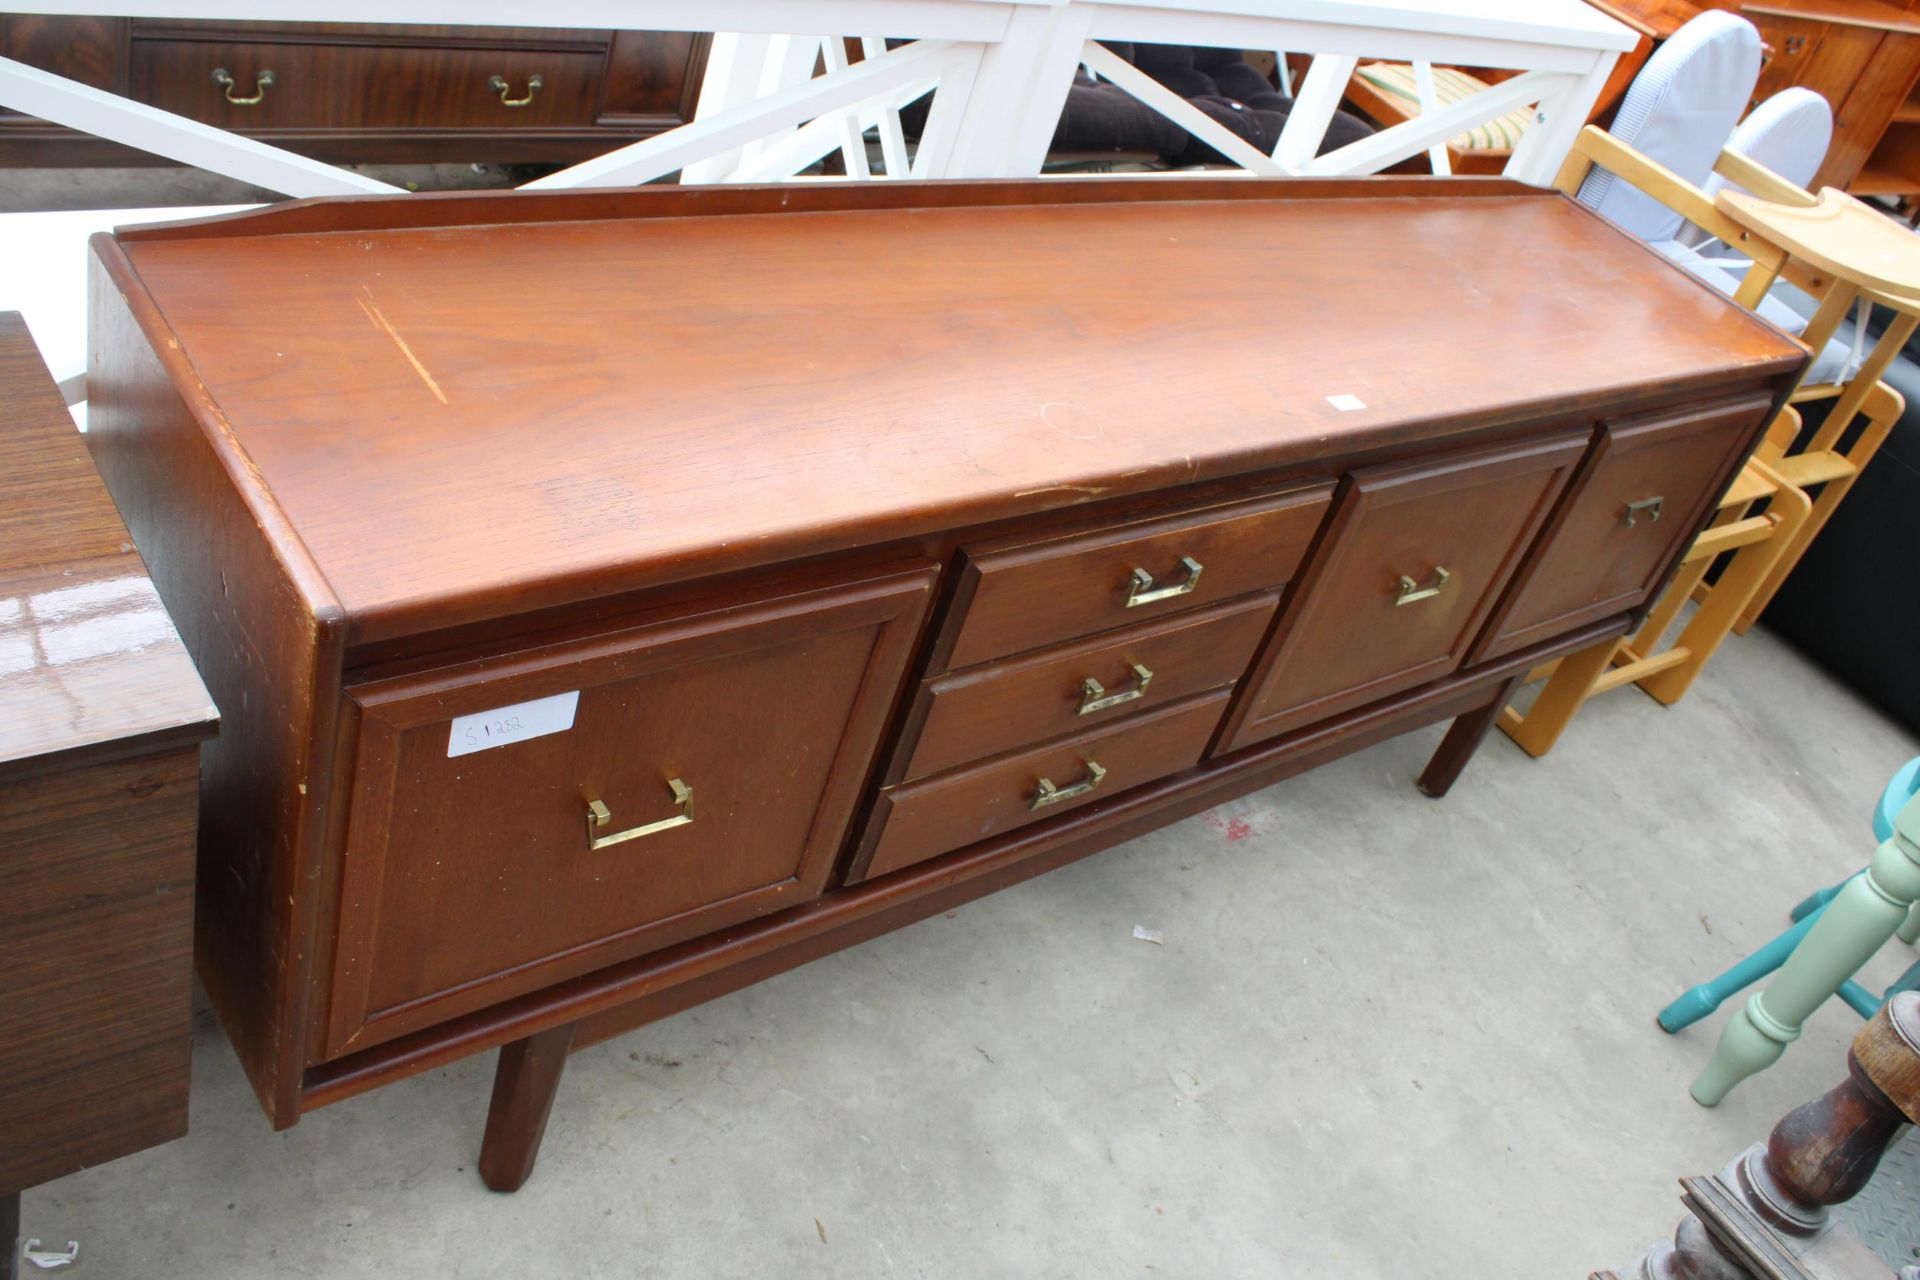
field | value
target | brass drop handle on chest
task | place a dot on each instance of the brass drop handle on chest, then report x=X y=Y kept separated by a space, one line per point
x=1411 y=591
x=598 y=816
x=1045 y=793
x=1094 y=696
x=500 y=86
x=1648 y=507
x=261 y=82
x=1140 y=588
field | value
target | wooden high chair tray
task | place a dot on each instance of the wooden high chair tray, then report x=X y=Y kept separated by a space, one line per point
x=1838 y=234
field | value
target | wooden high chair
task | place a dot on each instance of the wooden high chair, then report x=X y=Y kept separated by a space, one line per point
x=1834 y=249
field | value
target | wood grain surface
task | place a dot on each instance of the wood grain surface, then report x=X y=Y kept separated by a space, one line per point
x=90 y=665
x=620 y=403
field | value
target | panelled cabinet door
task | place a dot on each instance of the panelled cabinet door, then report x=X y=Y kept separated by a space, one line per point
x=521 y=820
x=1413 y=558
x=1644 y=493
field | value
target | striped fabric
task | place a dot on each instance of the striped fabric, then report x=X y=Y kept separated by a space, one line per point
x=1394 y=80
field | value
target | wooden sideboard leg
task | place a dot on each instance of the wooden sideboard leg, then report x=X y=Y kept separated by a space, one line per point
x=1463 y=739
x=523 y=1087
x=10 y=1235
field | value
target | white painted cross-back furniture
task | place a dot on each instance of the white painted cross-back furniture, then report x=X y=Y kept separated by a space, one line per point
x=781 y=91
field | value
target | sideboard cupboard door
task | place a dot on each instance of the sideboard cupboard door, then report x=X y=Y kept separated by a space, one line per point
x=1023 y=593
x=1414 y=557
x=525 y=819
x=1642 y=494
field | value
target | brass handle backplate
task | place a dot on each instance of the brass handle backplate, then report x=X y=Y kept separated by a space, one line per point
x=500 y=86
x=598 y=816
x=1140 y=588
x=1648 y=507
x=1411 y=591
x=224 y=78
x=1094 y=696
x=1045 y=793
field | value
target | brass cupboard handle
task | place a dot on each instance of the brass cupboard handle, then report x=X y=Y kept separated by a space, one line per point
x=598 y=816
x=1411 y=591
x=500 y=86
x=1094 y=696
x=1140 y=588
x=223 y=78
x=1046 y=793
x=1649 y=507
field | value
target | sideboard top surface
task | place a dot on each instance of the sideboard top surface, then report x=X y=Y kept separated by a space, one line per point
x=90 y=665
x=491 y=414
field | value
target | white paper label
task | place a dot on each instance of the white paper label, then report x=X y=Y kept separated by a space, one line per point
x=484 y=730
x=1346 y=403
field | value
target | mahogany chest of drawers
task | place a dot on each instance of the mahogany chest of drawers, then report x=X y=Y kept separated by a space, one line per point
x=364 y=94
x=615 y=598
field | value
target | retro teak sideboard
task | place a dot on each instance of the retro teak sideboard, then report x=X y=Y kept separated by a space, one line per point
x=615 y=598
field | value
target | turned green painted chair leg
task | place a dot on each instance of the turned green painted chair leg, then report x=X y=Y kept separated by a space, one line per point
x=1868 y=910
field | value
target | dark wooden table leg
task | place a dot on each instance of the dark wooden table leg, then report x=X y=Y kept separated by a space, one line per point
x=1463 y=739
x=10 y=1235
x=523 y=1087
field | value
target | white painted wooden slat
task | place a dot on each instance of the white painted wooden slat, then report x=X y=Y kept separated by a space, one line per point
x=1390 y=146
x=1430 y=101
x=936 y=19
x=1313 y=107
x=933 y=158
x=811 y=141
x=853 y=142
x=893 y=139
x=105 y=115
x=666 y=153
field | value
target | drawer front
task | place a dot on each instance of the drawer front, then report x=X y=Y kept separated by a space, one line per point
x=727 y=749
x=324 y=86
x=1637 y=501
x=970 y=715
x=1414 y=558
x=1013 y=598
x=920 y=820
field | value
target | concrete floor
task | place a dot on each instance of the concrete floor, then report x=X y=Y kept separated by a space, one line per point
x=1383 y=1035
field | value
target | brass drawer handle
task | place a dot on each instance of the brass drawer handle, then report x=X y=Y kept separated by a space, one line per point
x=1140 y=588
x=224 y=79
x=598 y=816
x=1649 y=507
x=1094 y=696
x=1411 y=591
x=1046 y=793
x=500 y=86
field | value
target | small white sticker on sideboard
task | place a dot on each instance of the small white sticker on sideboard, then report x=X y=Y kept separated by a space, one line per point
x=484 y=730
x=1346 y=403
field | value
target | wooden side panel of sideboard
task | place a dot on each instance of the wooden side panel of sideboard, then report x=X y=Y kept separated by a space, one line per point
x=96 y=930
x=268 y=640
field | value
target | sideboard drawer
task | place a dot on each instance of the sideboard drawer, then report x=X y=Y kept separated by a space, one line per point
x=1645 y=491
x=920 y=820
x=1084 y=684
x=1019 y=596
x=348 y=86
x=725 y=751
x=1414 y=558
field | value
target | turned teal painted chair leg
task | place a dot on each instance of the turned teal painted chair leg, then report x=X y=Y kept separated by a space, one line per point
x=1702 y=1000
x=1868 y=910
